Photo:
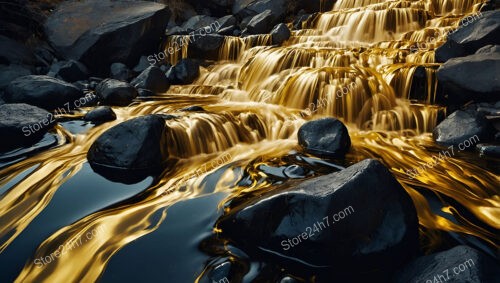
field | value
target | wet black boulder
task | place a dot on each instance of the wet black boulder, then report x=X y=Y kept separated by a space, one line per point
x=12 y=72
x=130 y=150
x=152 y=79
x=100 y=32
x=70 y=71
x=184 y=72
x=280 y=33
x=473 y=77
x=463 y=126
x=22 y=125
x=205 y=47
x=326 y=137
x=100 y=114
x=42 y=91
x=114 y=92
x=369 y=221
x=120 y=71
x=459 y=264
x=475 y=31
x=261 y=23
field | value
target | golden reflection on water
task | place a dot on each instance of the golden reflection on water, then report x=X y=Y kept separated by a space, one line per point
x=256 y=97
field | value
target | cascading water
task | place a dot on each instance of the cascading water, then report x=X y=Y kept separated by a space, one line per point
x=353 y=62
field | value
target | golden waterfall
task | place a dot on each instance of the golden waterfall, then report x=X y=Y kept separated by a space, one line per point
x=256 y=97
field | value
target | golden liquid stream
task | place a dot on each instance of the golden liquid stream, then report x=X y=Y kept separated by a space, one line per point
x=255 y=97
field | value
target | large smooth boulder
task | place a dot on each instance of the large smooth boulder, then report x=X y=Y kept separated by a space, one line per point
x=461 y=126
x=489 y=49
x=214 y=7
x=488 y=150
x=13 y=52
x=281 y=8
x=245 y=8
x=42 y=91
x=326 y=137
x=473 y=77
x=280 y=33
x=261 y=23
x=459 y=264
x=205 y=47
x=227 y=21
x=114 y=92
x=23 y=125
x=100 y=32
x=120 y=71
x=369 y=222
x=100 y=115
x=153 y=79
x=134 y=146
x=184 y=72
x=12 y=72
x=198 y=22
x=70 y=71
x=475 y=32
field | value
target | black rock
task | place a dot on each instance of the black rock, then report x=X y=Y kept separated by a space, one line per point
x=461 y=126
x=297 y=23
x=193 y=109
x=100 y=32
x=184 y=72
x=167 y=117
x=288 y=279
x=489 y=150
x=475 y=32
x=280 y=33
x=245 y=21
x=474 y=77
x=317 y=5
x=70 y=71
x=44 y=55
x=181 y=12
x=244 y=8
x=23 y=125
x=326 y=137
x=42 y=91
x=164 y=68
x=489 y=49
x=153 y=79
x=120 y=71
x=212 y=7
x=100 y=114
x=198 y=22
x=82 y=85
x=145 y=93
x=143 y=64
x=206 y=47
x=227 y=21
x=459 y=264
x=369 y=222
x=177 y=30
x=114 y=92
x=13 y=52
x=130 y=150
x=229 y=31
x=12 y=72
x=261 y=23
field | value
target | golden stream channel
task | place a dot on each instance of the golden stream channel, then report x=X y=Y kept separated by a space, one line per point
x=353 y=63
